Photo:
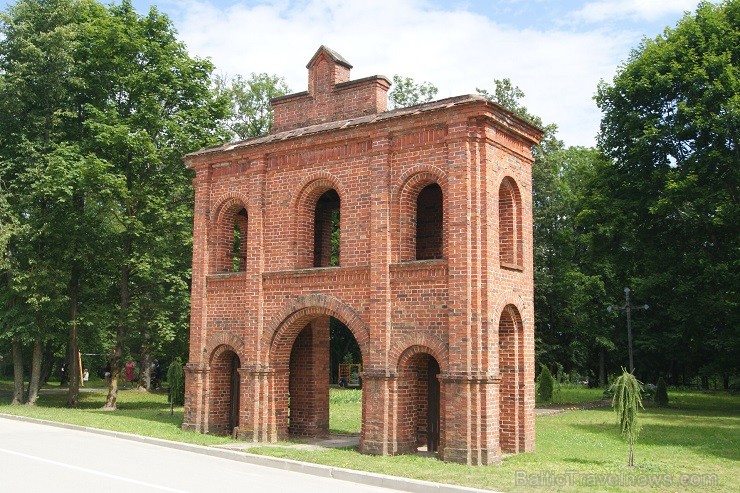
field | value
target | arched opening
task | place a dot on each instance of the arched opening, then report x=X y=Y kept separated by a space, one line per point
x=326 y=230
x=511 y=390
x=224 y=395
x=510 y=224
x=238 y=252
x=419 y=404
x=429 y=220
x=310 y=374
x=230 y=241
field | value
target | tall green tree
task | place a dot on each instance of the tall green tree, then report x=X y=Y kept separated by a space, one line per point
x=50 y=180
x=671 y=126
x=158 y=106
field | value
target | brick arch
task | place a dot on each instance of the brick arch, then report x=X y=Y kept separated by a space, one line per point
x=413 y=392
x=288 y=322
x=412 y=344
x=511 y=244
x=511 y=299
x=512 y=433
x=220 y=237
x=403 y=206
x=303 y=207
x=219 y=342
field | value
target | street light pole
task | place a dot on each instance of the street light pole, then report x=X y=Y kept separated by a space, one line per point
x=628 y=307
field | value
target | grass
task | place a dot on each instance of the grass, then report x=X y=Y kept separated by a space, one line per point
x=138 y=412
x=575 y=394
x=345 y=411
x=698 y=435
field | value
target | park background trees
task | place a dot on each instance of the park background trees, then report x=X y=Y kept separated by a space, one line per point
x=98 y=103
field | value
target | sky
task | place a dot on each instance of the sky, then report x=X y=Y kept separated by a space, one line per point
x=555 y=51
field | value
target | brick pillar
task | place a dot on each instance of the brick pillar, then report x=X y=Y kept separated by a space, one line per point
x=378 y=402
x=253 y=401
x=378 y=422
x=309 y=380
x=193 y=415
x=194 y=384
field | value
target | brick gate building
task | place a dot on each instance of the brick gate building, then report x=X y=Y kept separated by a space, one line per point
x=433 y=276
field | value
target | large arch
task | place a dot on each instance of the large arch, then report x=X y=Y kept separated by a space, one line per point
x=306 y=307
x=405 y=195
x=298 y=353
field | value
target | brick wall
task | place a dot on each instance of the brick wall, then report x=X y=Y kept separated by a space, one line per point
x=446 y=182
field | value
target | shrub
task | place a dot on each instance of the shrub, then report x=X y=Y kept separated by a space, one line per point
x=546 y=384
x=661 y=393
x=176 y=380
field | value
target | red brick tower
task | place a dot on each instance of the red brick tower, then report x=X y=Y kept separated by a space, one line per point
x=434 y=274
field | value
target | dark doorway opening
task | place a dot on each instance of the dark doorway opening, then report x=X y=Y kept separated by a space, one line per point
x=234 y=394
x=326 y=230
x=433 y=402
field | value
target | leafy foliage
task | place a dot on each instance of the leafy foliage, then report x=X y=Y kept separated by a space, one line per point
x=406 y=92
x=250 y=111
x=670 y=128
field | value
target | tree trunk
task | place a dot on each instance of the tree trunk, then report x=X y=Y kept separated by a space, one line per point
x=17 y=372
x=35 y=382
x=73 y=369
x=47 y=363
x=631 y=461
x=602 y=367
x=145 y=370
x=115 y=367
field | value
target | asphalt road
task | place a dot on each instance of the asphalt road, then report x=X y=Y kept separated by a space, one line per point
x=35 y=457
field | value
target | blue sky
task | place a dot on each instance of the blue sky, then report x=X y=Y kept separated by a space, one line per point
x=556 y=51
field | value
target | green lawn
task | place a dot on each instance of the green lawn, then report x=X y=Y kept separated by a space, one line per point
x=697 y=436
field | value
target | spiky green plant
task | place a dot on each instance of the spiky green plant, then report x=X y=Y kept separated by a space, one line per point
x=176 y=381
x=626 y=401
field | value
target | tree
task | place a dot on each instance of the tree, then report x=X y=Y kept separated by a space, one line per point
x=406 y=92
x=251 y=113
x=671 y=126
x=98 y=105
x=158 y=106
x=567 y=292
x=661 y=393
x=49 y=177
x=546 y=384
x=626 y=402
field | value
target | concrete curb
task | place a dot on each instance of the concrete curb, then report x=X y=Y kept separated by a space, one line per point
x=360 y=477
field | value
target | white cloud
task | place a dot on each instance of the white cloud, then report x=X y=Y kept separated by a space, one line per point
x=455 y=50
x=636 y=10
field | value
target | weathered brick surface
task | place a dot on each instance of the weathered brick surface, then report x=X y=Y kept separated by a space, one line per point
x=435 y=262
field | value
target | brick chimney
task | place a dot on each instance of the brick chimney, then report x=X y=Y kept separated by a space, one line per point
x=331 y=96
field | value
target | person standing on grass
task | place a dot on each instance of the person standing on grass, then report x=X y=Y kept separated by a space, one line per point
x=129 y=371
x=157 y=372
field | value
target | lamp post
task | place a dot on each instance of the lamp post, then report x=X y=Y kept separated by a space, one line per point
x=628 y=307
